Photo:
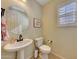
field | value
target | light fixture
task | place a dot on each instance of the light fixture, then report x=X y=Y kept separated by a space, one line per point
x=24 y=0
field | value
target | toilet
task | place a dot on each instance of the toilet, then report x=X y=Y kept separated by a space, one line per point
x=44 y=49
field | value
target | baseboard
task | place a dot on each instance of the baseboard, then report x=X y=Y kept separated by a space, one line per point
x=60 y=57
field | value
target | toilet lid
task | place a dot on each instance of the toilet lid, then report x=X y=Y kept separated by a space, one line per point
x=45 y=48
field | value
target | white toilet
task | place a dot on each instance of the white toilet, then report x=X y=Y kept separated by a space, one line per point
x=44 y=49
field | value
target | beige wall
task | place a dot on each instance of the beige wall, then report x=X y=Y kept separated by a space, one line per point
x=33 y=10
x=64 y=39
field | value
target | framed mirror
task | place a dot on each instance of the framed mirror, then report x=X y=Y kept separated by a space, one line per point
x=18 y=20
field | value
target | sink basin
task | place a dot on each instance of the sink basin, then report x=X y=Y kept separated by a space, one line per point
x=20 y=47
x=13 y=47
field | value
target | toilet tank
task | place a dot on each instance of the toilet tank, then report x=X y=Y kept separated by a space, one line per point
x=38 y=41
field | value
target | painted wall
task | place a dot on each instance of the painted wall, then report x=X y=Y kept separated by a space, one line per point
x=64 y=39
x=33 y=10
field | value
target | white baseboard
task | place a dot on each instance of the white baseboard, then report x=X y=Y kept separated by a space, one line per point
x=60 y=57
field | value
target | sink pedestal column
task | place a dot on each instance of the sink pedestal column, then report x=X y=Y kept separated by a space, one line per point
x=20 y=54
x=44 y=56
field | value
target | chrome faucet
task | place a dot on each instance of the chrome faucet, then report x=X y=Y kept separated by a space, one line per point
x=20 y=38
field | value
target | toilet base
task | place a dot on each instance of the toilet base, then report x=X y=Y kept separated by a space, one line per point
x=44 y=56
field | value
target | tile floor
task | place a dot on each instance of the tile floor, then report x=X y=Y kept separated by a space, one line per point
x=51 y=56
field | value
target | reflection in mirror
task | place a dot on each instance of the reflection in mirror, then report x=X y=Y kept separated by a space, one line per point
x=17 y=20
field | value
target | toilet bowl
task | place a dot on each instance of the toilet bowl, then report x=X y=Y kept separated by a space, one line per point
x=44 y=49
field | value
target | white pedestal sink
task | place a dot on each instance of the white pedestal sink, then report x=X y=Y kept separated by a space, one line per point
x=19 y=47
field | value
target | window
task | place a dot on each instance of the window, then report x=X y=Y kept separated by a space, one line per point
x=67 y=15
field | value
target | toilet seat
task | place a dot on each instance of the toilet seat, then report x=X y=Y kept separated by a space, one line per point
x=45 y=49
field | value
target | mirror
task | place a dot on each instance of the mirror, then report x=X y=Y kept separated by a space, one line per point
x=18 y=20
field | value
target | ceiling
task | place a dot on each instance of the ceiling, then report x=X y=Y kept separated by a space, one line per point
x=42 y=2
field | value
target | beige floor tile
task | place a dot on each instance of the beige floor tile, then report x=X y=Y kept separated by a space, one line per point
x=51 y=56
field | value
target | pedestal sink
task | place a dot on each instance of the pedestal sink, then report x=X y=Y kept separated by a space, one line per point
x=19 y=47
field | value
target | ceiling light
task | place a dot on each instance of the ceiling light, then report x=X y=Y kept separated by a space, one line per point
x=24 y=0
